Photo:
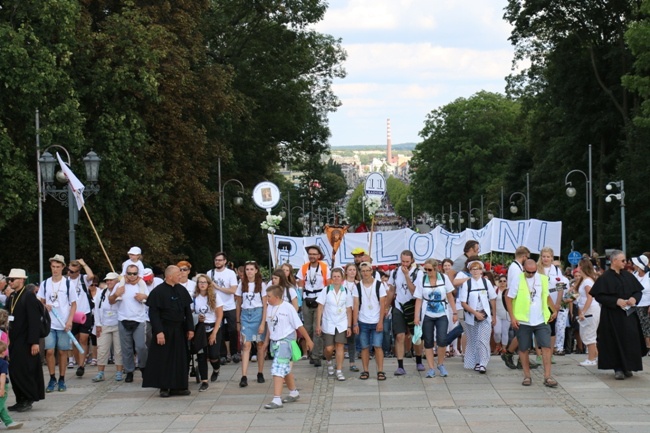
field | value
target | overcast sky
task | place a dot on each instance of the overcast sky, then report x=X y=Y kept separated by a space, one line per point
x=408 y=57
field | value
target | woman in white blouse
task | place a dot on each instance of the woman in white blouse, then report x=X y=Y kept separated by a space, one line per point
x=478 y=299
x=334 y=320
x=588 y=311
x=209 y=309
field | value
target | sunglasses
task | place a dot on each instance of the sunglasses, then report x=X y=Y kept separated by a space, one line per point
x=531 y=272
x=132 y=274
x=184 y=269
x=73 y=272
x=428 y=269
x=11 y=280
x=251 y=262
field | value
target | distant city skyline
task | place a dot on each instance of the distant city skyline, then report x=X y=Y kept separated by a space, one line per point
x=409 y=57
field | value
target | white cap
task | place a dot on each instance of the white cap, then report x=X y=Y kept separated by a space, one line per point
x=135 y=250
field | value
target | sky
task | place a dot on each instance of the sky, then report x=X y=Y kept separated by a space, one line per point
x=409 y=57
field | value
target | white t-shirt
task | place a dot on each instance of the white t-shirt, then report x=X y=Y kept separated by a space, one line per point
x=282 y=321
x=105 y=314
x=335 y=309
x=190 y=286
x=226 y=278
x=514 y=270
x=128 y=263
x=292 y=294
x=56 y=295
x=536 y=315
x=250 y=299
x=352 y=288
x=130 y=308
x=402 y=292
x=433 y=294
x=480 y=294
x=582 y=291
x=645 y=295
x=201 y=306
x=369 y=309
x=313 y=279
x=83 y=306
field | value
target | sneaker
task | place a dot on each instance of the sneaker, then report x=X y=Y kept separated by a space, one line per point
x=111 y=361
x=420 y=367
x=330 y=370
x=443 y=370
x=236 y=358
x=317 y=363
x=50 y=386
x=80 y=371
x=129 y=378
x=254 y=358
x=618 y=375
x=431 y=373
x=62 y=386
x=222 y=360
x=243 y=382
x=538 y=359
x=71 y=364
x=204 y=386
x=260 y=378
x=214 y=376
x=99 y=377
x=400 y=372
x=25 y=407
x=14 y=425
x=93 y=362
x=507 y=358
x=346 y=355
x=589 y=363
x=552 y=359
x=119 y=376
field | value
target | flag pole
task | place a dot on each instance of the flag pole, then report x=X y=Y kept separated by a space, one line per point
x=97 y=235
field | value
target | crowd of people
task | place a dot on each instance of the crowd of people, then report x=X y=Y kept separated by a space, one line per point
x=160 y=326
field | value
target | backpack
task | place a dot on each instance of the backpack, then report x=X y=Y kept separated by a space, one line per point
x=67 y=286
x=377 y=286
x=414 y=274
x=45 y=321
x=91 y=301
x=469 y=289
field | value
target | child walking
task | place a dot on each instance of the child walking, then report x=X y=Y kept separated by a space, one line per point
x=4 y=387
x=283 y=322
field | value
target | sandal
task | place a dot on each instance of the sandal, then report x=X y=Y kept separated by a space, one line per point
x=481 y=369
x=527 y=381
x=381 y=375
x=364 y=376
x=550 y=382
x=354 y=368
x=340 y=377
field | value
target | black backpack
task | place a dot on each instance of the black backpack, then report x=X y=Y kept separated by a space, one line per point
x=45 y=321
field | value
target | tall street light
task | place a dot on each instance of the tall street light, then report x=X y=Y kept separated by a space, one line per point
x=571 y=192
x=620 y=197
x=513 y=206
x=410 y=199
x=46 y=167
x=490 y=213
x=222 y=205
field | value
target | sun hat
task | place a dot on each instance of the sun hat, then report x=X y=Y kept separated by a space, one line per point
x=58 y=258
x=17 y=273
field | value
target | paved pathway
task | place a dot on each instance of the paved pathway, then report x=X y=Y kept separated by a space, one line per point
x=587 y=400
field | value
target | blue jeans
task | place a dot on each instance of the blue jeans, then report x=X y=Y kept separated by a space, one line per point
x=369 y=336
x=439 y=324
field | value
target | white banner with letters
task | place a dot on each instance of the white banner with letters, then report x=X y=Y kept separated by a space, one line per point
x=499 y=235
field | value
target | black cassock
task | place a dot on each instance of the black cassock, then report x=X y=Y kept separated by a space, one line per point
x=170 y=313
x=25 y=370
x=621 y=345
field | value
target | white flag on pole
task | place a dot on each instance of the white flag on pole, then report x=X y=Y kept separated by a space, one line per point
x=75 y=184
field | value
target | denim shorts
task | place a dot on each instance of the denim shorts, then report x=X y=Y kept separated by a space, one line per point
x=58 y=339
x=542 y=333
x=369 y=336
x=251 y=318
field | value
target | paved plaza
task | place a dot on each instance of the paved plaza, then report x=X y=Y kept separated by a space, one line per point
x=587 y=400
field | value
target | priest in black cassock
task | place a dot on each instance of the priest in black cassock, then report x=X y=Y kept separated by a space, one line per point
x=25 y=367
x=621 y=345
x=171 y=328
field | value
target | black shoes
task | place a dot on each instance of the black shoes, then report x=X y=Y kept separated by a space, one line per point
x=21 y=407
x=181 y=392
x=243 y=382
x=214 y=375
x=260 y=378
x=204 y=386
x=80 y=371
x=129 y=377
x=164 y=393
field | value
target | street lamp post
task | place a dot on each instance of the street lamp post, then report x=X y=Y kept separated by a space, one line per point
x=46 y=168
x=513 y=206
x=410 y=199
x=490 y=214
x=620 y=197
x=452 y=220
x=222 y=204
x=571 y=192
